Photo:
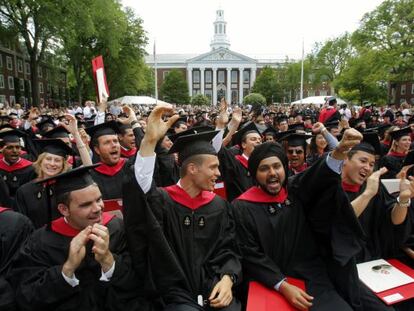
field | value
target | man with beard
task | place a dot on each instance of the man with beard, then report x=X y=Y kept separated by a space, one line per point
x=79 y=261
x=14 y=169
x=182 y=235
x=276 y=221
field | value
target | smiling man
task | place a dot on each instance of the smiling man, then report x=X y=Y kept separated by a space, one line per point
x=189 y=230
x=296 y=152
x=79 y=261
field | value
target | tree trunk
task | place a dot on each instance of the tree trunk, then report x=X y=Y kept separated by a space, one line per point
x=34 y=80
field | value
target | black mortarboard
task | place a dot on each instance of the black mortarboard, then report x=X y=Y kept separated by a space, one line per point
x=366 y=104
x=11 y=136
x=281 y=135
x=398 y=114
x=297 y=126
x=389 y=114
x=54 y=146
x=281 y=117
x=370 y=143
x=296 y=139
x=13 y=114
x=400 y=133
x=331 y=100
x=242 y=132
x=193 y=144
x=332 y=124
x=45 y=123
x=107 y=128
x=193 y=130
x=57 y=132
x=270 y=131
x=6 y=126
x=381 y=129
x=8 y=118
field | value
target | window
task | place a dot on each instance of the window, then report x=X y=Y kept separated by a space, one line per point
x=246 y=77
x=234 y=76
x=2 y=99
x=164 y=74
x=323 y=93
x=403 y=89
x=40 y=73
x=19 y=65
x=234 y=97
x=21 y=82
x=30 y=86
x=11 y=83
x=27 y=65
x=40 y=87
x=1 y=61
x=1 y=82
x=208 y=76
x=196 y=76
x=9 y=63
x=12 y=100
x=221 y=76
x=412 y=88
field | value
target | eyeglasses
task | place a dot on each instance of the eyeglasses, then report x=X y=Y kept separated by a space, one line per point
x=297 y=151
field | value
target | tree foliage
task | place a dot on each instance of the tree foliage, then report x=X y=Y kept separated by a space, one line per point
x=200 y=100
x=174 y=89
x=254 y=99
x=267 y=84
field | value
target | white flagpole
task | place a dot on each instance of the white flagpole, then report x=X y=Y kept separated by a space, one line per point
x=301 y=71
x=155 y=75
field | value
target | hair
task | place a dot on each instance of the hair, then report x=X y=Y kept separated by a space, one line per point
x=195 y=159
x=313 y=148
x=351 y=153
x=65 y=198
x=123 y=129
x=179 y=123
x=40 y=158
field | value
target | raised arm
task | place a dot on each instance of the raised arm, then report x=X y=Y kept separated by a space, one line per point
x=82 y=148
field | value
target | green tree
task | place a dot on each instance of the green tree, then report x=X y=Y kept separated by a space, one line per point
x=174 y=89
x=389 y=29
x=36 y=22
x=254 y=99
x=267 y=84
x=200 y=100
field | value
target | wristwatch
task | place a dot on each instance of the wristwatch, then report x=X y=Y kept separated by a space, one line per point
x=406 y=204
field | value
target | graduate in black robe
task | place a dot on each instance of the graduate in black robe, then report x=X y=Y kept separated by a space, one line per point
x=14 y=229
x=190 y=255
x=394 y=160
x=233 y=166
x=14 y=170
x=80 y=261
x=275 y=223
x=31 y=198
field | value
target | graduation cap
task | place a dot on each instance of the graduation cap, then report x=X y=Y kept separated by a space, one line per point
x=241 y=133
x=6 y=118
x=13 y=114
x=180 y=120
x=193 y=130
x=281 y=135
x=296 y=139
x=75 y=179
x=398 y=114
x=46 y=123
x=370 y=143
x=270 y=131
x=367 y=104
x=297 y=126
x=400 y=133
x=389 y=114
x=57 y=132
x=54 y=146
x=11 y=136
x=107 y=128
x=331 y=100
x=193 y=144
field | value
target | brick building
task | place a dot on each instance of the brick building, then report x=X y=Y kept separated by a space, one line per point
x=401 y=92
x=15 y=78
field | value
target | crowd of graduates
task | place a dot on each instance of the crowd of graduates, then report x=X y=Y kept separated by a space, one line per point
x=180 y=208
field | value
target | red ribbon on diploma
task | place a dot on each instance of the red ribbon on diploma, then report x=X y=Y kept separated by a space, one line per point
x=100 y=77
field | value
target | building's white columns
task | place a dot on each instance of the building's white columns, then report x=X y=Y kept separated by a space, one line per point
x=214 y=86
x=190 y=81
x=202 y=80
x=228 y=90
x=241 y=85
x=252 y=76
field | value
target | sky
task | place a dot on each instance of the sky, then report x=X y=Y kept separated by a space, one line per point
x=255 y=27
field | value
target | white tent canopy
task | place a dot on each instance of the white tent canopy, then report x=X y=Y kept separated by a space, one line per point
x=136 y=100
x=317 y=100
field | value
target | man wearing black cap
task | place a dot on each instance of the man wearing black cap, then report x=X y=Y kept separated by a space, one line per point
x=14 y=169
x=277 y=222
x=330 y=110
x=78 y=261
x=382 y=217
x=296 y=146
x=188 y=230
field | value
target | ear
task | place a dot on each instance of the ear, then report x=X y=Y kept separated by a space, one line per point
x=96 y=150
x=63 y=209
x=192 y=168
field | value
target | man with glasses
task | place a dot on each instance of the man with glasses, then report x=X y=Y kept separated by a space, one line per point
x=296 y=152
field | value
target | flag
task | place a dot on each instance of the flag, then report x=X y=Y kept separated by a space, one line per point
x=100 y=78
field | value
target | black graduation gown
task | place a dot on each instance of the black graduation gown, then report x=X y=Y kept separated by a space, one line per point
x=234 y=172
x=37 y=278
x=394 y=165
x=31 y=201
x=383 y=239
x=183 y=251
x=277 y=240
x=14 y=229
x=110 y=178
x=17 y=174
x=166 y=172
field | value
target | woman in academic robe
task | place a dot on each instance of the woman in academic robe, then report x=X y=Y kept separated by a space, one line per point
x=394 y=160
x=31 y=198
x=317 y=148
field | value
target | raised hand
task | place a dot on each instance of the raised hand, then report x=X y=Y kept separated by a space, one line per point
x=72 y=125
x=406 y=187
x=373 y=182
x=100 y=237
x=350 y=138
